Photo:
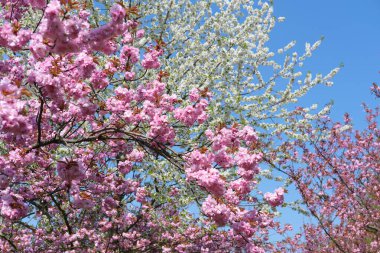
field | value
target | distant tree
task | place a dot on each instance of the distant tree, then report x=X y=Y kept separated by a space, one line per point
x=339 y=184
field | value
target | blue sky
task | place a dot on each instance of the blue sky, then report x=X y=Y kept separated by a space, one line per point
x=351 y=36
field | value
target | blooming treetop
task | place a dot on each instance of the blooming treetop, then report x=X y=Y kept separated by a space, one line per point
x=339 y=185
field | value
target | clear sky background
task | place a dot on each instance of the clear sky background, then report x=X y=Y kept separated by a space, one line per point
x=351 y=31
x=352 y=36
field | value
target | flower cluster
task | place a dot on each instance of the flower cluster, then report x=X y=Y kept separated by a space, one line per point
x=276 y=198
x=232 y=152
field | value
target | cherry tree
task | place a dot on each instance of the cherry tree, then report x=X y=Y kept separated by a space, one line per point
x=339 y=185
x=100 y=154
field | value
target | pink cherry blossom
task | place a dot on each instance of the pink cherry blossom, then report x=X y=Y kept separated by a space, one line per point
x=150 y=60
x=276 y=198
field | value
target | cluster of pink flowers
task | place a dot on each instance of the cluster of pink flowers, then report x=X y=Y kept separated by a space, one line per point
x=15 y=41
x=193 y=113
x=232 y=149
x=276 y=198
x=129 y=53
x=220 y=213
x=151 y=59
x=70 y=171
x=12 y=205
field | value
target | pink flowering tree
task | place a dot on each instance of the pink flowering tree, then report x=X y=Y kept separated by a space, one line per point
x=339 y=184
x=92 y=159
